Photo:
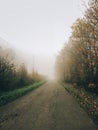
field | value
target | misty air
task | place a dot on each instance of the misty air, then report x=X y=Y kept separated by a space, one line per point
x=48 y=65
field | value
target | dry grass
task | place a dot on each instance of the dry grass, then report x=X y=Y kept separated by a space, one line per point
x=87 y=100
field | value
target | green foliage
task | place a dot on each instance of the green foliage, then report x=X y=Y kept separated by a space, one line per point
x=8 y=76
x=13 y=76
x=6 y=97
x=15 y=80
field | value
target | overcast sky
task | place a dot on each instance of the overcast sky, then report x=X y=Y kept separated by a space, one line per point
x=39 y=28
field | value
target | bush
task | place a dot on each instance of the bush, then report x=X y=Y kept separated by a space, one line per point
x=7 y=74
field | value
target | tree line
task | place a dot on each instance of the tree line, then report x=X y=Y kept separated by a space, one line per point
x=14 y=75
x=77 y=62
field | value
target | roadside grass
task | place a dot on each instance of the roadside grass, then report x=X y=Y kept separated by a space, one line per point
x=88 y=101
x=7 y=97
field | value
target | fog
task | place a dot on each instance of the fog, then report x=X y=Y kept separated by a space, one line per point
x=36 y=30
x=40 y=63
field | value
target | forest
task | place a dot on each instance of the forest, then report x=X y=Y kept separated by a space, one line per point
x=77 y=62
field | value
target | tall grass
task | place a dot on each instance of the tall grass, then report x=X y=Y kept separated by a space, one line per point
x=7 y=97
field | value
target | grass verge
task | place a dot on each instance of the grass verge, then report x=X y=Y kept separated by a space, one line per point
x=7 y=97
x=88 y=101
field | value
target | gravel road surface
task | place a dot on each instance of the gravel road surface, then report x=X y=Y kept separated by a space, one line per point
x=50 y=107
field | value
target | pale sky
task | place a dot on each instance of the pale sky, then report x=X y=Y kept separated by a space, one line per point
x=39 y=28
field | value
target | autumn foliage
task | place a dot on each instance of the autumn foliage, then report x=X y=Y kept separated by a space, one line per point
x=78 y=60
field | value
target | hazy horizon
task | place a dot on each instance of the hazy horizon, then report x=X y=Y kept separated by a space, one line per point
x=38 y=29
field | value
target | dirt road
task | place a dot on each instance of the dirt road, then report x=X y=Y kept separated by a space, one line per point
x=49 y=107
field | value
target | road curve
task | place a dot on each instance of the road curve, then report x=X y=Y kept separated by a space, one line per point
x=49 y=107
